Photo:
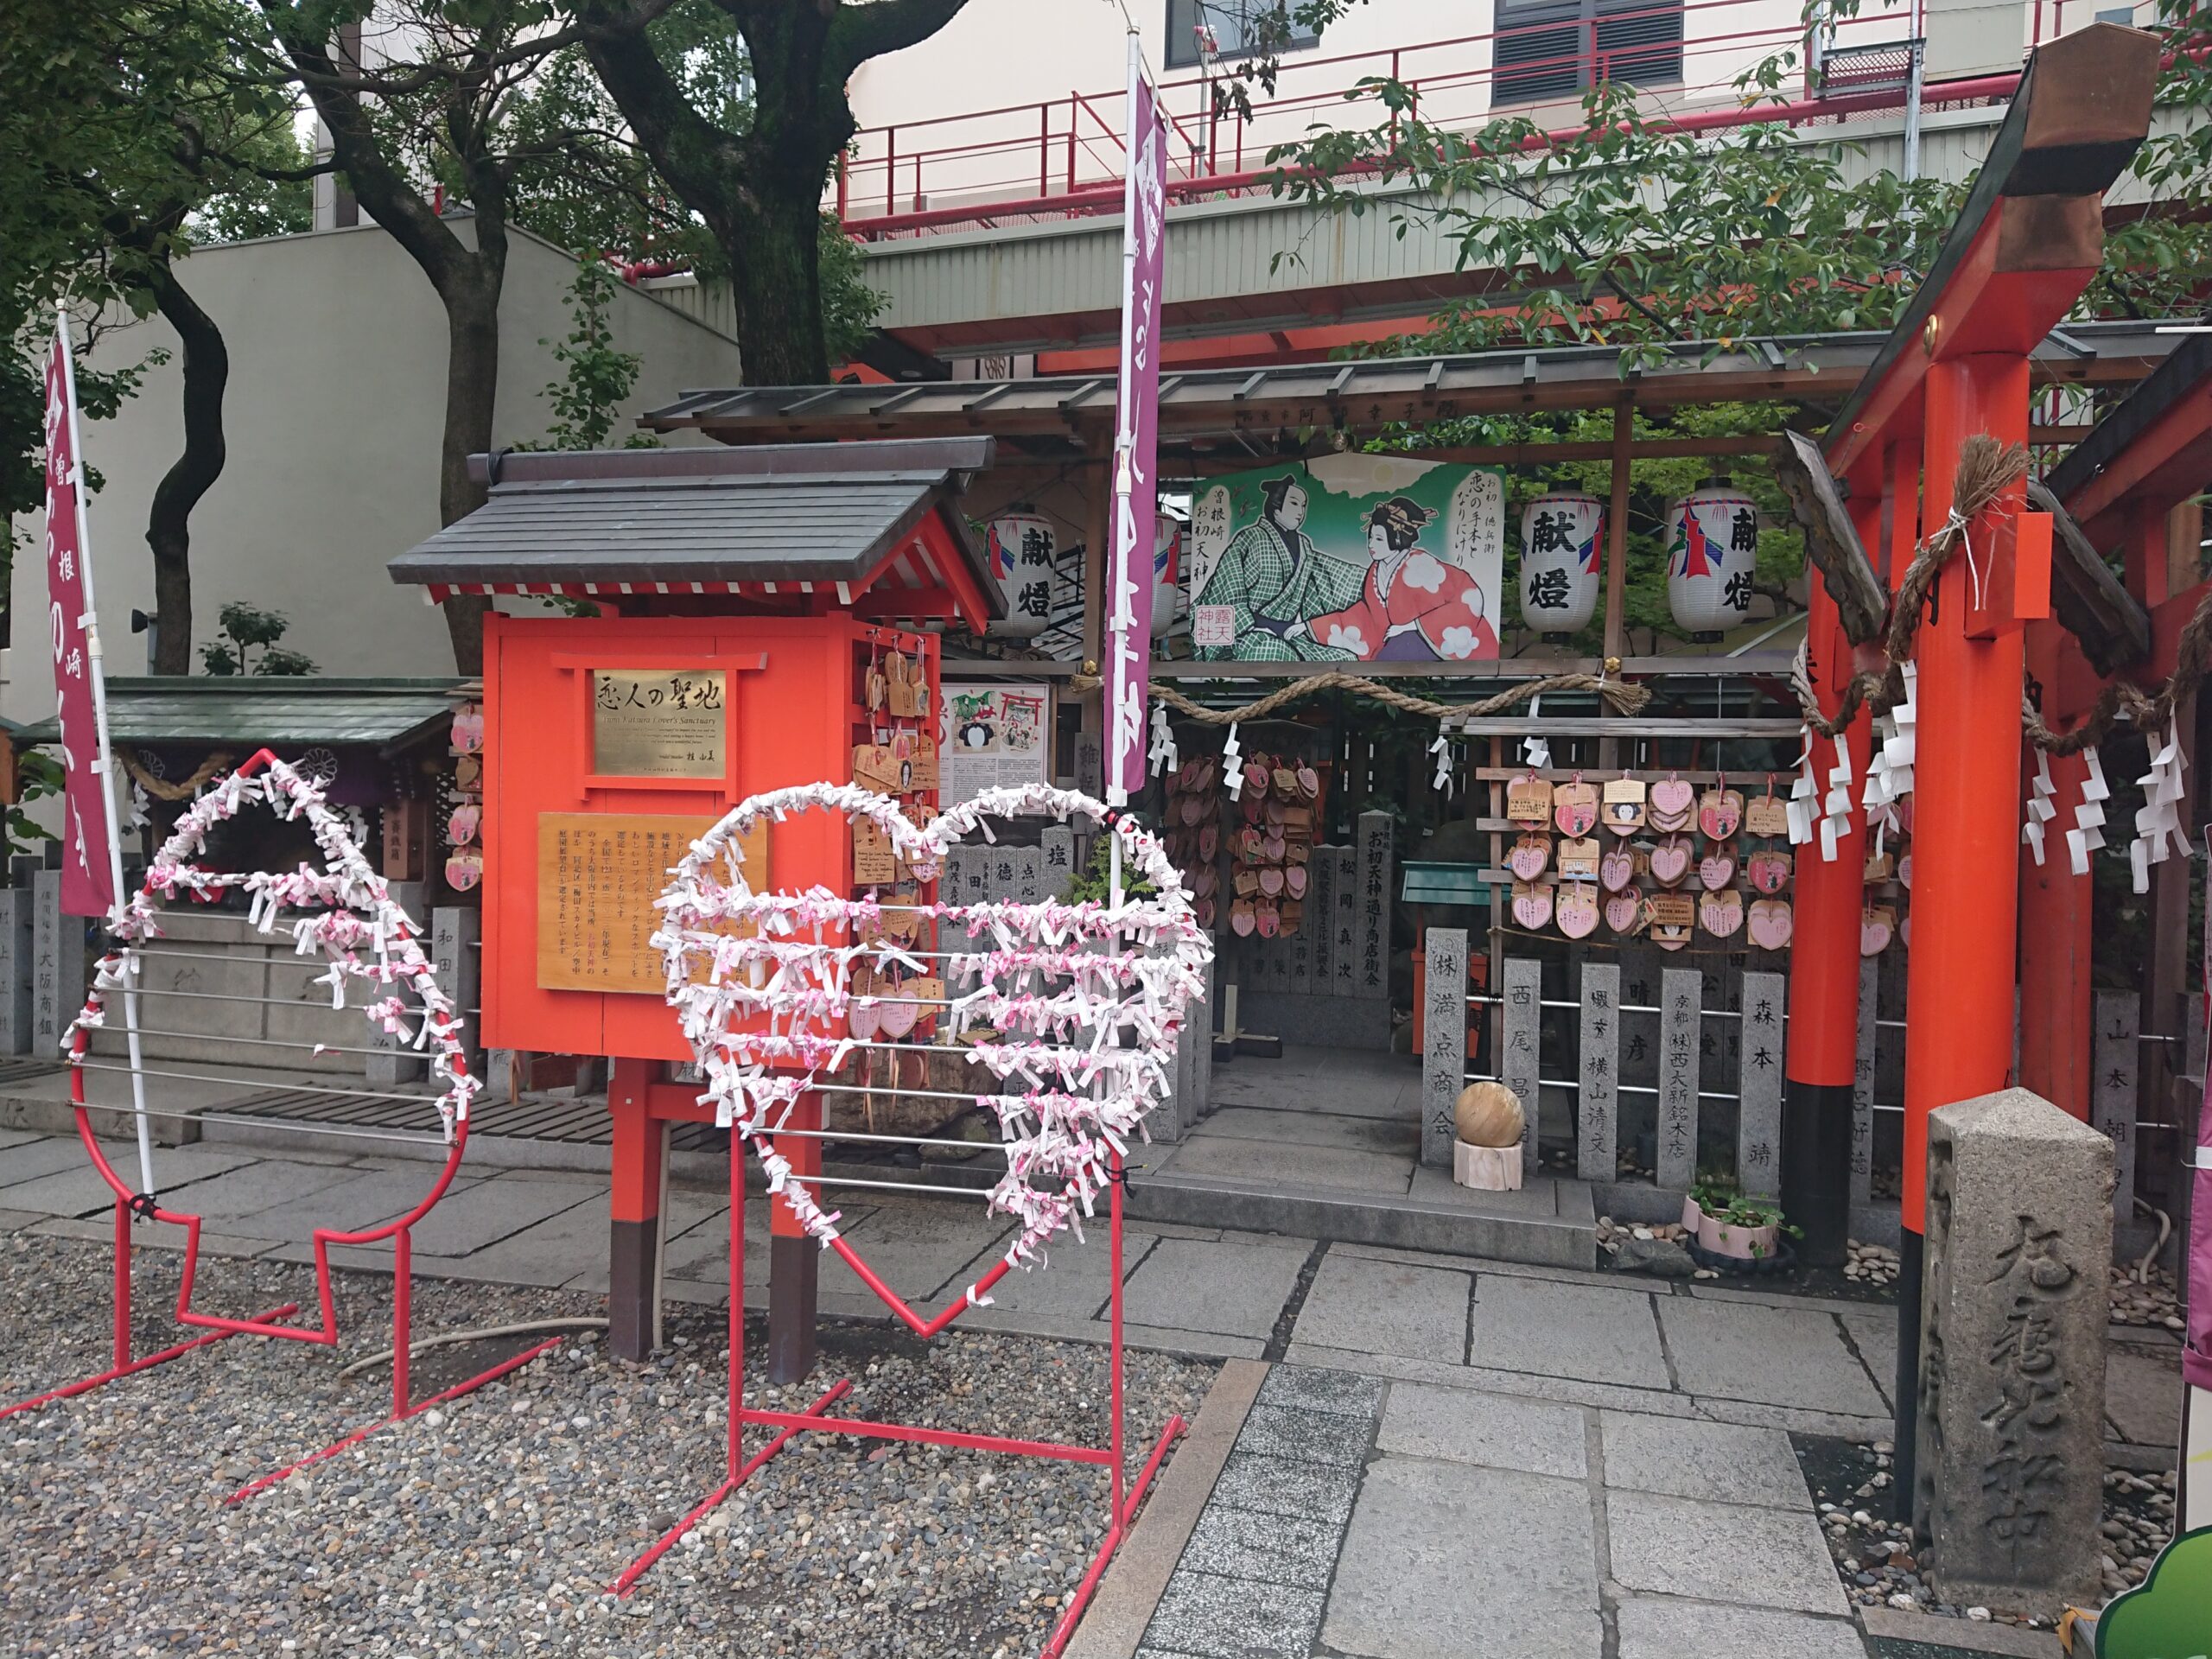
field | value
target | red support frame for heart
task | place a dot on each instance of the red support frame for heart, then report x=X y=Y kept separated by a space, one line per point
x=723 y=1009
x=264 y=776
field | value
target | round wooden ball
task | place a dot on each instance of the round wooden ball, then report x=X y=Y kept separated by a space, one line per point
x=1488 y=1114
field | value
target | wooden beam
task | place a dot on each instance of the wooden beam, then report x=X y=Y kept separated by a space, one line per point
x=1831 y=539
x=2093 y=604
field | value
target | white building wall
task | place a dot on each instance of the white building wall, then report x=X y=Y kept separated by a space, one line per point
x=333 y=416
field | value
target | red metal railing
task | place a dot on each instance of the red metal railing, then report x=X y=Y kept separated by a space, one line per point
x=1062 y=157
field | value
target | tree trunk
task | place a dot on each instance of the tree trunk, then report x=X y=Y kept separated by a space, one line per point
x=207 y=364
x=774 y=251
x=472 y=302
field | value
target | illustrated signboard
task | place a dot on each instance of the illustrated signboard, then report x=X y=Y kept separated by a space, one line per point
x=992 y=736
x=1349 y=558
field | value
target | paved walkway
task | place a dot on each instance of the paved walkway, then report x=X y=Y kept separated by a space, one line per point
x=1458 y=1458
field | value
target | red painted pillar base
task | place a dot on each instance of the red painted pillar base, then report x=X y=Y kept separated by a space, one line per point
x=634 y=1231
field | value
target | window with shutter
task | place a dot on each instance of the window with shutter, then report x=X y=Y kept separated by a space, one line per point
x=1199 y=29
x=1550 y=49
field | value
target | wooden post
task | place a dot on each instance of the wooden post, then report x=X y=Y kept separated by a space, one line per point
x=794 y=1260
x=1823 y=1049
x=634 y=1212
x=1609 y=749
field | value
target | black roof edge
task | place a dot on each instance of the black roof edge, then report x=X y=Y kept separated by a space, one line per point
x=2063 y=166
x=2185 y=368
x=944 y=456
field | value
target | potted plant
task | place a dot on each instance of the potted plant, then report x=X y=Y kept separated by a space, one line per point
x=1747 y=1229
x=1709 y=1195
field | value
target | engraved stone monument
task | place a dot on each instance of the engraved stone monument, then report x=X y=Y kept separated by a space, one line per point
x=2012 y=1353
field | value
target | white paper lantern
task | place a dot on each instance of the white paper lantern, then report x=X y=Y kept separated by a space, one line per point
x=1019 y=546
x=1712 y=549
x=1167 y=565
x=1561 y=535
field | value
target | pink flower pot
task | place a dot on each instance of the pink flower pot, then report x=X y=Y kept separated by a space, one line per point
x=1692 y=1215
x=1744 y=1244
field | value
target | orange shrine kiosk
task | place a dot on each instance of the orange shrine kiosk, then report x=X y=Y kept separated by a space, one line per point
x=760 y=621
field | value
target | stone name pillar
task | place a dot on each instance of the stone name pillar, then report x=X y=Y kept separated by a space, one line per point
x=2009 y=1484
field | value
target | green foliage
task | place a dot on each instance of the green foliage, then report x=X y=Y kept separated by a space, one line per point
x=598 y=378
x=38 y=775
x=244 y=628
x=849 y=306
x=1094 y=883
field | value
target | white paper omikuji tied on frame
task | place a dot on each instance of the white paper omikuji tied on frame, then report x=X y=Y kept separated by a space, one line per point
x=1802 y=793
x=1164 y=757
x=2158 y=820
x=1232 y=773
x=2088 y=833
x=1442 y=750
x=1835 y=809
x=2041 y=810
x=1536 y=752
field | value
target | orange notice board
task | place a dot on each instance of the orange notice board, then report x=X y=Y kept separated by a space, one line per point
x=611 y=742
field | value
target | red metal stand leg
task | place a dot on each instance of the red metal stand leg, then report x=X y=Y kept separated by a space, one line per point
x=403 y=1297
x=122 y=1284
x=131 y=1367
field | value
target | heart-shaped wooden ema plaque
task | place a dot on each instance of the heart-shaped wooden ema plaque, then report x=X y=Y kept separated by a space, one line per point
x=1529 y=856
x=1618 y=869
x=1574 y=808
x=1721 y=813
x=1532 y=904
x=1876 y=922
x=1769 y=870
x=1579 y=858
x=1578 y=910
x=1090 y=1000
x=1624 y=911
x=1528 y=801
x=1767 y=816
x=1670 y=861
x=1715 y=871
x=1673 y=797
x=1770 y=924
x=1720 y=914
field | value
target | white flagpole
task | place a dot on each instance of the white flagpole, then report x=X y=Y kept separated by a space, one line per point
x=103 y=751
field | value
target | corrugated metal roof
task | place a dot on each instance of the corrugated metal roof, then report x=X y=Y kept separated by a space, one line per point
x=1361 y=396
x=276 y=710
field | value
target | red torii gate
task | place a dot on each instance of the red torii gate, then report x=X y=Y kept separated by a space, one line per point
x=2028 y=240
x=2118 y=487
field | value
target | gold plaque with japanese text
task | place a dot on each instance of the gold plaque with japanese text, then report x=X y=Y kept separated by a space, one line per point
x=599 y=874
x=659 y=722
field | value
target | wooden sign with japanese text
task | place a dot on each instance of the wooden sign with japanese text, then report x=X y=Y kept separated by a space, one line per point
x=598 y=876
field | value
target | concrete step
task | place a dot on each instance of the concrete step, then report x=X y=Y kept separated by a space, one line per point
x=1520 y=1227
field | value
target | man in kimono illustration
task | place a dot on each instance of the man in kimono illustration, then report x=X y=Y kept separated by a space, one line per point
x=1413 y=604
x=1273 y=577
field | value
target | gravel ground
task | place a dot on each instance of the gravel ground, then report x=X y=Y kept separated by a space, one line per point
x=493 y=1525
x=1876 y=1560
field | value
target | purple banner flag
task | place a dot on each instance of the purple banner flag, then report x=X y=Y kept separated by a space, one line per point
x=88 y=886
x=1128 y=565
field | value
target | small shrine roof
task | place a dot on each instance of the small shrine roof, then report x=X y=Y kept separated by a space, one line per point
x=768 y=523
x=279 y=710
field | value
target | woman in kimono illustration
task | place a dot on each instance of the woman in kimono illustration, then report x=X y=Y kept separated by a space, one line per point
x=1413 y=604
x=1274 y=577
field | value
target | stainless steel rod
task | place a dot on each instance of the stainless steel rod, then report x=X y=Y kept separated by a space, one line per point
x=289 y=1088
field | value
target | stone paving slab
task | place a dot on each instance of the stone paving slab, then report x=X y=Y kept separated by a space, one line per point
x=1661 y=1627
x=1269 y=1548
x=1229 y=1292
x=1510 y=1269
x=1721 y=1462
x=249 y=1200
x=101 y=1230
x=1271 y=1162
x=1295 y=1432
x=1572 y=1330
x=1346 y=1394
x=1441 y=1556
x=45 y=1154
x=1497 y=1431
x=1715 y=1552
x=2143 y=1394
x=1278 y=1486
x=464 y=1222
x=917 y=1250
x=1874 y=1331
x=1212 y=1617
x=1744 y=1352
x=1366 y=1134
x=1383 y=1308
x=359 y=1199
x=76 y=1189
